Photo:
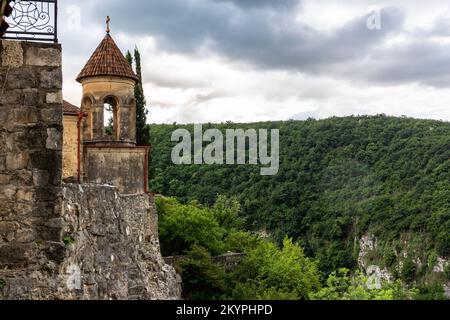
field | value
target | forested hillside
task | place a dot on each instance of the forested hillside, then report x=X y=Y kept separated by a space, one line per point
x=340 y=179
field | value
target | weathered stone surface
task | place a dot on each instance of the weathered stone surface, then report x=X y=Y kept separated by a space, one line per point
x=114 y=246
x=17 y=161
x=25 y=116
x=54 y=97
x=54 y=139
x=31 y=97
x=19 y=78
x=51 y=79
x=23 y=139
x=110 y=250
x=50 y=115
x=12 y=54
x=13 y=254
x=37 y=56
x=4 y=179
x=121 y=167
x=40 y=177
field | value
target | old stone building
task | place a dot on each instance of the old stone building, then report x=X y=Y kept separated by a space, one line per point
x=92 y=153
x=75 y=219
x=72 y=141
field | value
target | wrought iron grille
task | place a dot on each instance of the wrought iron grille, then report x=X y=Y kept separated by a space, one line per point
x=33 y=20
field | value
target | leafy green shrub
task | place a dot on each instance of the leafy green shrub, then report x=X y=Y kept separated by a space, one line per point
x=202 y=278
x=432 y=259
x=269 y=272
x=341 y=285
x=447 y=271
x=389 y=256
x=68 y=241
x=181 y=226
x=409 y=269
x=434 y=291
x=241 y=241
x=227 y=213
x=443 y=243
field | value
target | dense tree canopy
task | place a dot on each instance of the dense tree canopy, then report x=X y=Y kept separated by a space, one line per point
x=339 y=179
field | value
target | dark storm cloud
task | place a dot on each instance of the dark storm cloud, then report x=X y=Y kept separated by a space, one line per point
x=273 y=45
x=266 y=34
x=265 y=37
x=424 y=61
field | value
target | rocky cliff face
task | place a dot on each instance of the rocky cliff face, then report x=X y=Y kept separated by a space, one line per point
x=385 y=262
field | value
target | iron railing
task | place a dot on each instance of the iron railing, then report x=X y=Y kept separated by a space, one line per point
x=33 y=21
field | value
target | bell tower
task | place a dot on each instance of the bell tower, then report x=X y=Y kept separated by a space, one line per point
x=108 y=96
x=108 y=129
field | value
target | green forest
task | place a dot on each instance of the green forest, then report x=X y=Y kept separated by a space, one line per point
x=340 y=180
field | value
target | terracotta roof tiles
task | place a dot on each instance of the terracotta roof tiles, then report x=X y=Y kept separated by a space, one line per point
x=69 y=109
x=107 y=60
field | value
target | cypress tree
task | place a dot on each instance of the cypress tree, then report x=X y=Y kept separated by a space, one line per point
x=142 y=130
x=129 y=58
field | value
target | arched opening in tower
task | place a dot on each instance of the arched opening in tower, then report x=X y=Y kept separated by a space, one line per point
x=110 y=117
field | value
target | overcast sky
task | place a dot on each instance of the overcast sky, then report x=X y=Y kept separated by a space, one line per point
x=257 y=60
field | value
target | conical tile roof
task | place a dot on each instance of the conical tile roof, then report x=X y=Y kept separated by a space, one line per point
x=107 y=60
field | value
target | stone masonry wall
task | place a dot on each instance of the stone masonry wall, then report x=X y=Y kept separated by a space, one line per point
x=113 y=247
x=118 y=166
x=70 y=147
x=30 y=153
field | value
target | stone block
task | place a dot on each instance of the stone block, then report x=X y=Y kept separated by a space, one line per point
x=24 y=116
x=40 y=178
x=43 y=160
x=21 y=78
x=4 y=179
x=22 y=210
x=51 y=78
x=17 y=161
x=43 y=210
x=54 y=139
x=22 y=177
x=28 y=139
x=26 y=195
x=13 y=254
x=51 y=115
x=11 y=97
x=42 y=57
x=31 y=97
x=6 y=209
x=54 y=97
x=8 y=194
x=11 y=54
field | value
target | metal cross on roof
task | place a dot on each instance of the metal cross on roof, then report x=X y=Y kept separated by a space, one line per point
x=108 y=20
